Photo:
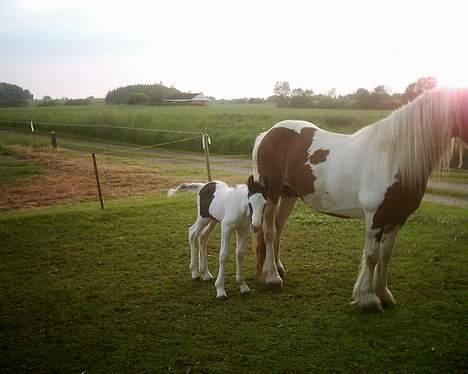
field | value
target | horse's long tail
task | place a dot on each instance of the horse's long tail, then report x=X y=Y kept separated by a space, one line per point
x=185 y=187
x=260 y=251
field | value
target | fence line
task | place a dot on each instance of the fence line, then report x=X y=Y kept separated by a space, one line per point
x=100 y=126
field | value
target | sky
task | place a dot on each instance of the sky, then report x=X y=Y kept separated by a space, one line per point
x=230 y=48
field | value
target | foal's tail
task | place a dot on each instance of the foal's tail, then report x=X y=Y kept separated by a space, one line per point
x=260 y=251
x=185 y=187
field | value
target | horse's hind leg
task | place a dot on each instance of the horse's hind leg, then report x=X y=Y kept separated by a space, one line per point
x=363 y=293
x=285 y=207
x=203 y=256
x=194 y=232
x=242 y=235
x=380 y=273
x=223 y=259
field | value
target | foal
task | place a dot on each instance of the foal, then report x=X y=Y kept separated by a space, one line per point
x=236 y=208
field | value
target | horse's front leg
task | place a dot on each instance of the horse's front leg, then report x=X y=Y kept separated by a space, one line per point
x=242 y=235
x=270 y=273
x=285 y=207
x=223 y=259
x=380 y=274
x=363 y=293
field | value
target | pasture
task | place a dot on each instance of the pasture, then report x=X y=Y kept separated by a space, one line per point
x=110 y=291
x=84 y=289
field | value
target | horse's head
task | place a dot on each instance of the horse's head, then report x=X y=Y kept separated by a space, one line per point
x=257 y=201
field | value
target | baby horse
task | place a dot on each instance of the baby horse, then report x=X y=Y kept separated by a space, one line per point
x=236 y=209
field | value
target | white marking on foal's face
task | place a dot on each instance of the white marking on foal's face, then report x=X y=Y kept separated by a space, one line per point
x=256 y=205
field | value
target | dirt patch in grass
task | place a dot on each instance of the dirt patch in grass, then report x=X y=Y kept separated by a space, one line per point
x=64 y=178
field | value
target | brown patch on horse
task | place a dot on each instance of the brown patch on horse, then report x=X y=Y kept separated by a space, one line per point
x=206 y=197
x=320 y=155
x=282 y=160
x=397 y=205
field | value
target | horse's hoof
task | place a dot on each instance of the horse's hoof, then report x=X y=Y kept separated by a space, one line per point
x=196 y=275
x=244 y=289
x=368 y=304
x=387 y=299
x=273 y=283
x=207 y=276
x=222 y=297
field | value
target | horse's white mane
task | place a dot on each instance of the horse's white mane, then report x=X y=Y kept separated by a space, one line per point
x=417 y=136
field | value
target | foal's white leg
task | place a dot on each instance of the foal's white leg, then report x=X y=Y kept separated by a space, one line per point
x=194 y=232
x=203 y=255
x=363 y=293
x=270 y=271
x=223 y=259
x=242 y=235
x=380 y=274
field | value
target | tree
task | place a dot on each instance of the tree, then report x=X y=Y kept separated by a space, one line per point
x=282 y=89
x=417 y=88
x=155 y=93
x=13 y=95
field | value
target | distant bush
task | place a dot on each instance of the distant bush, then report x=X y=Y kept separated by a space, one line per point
x=138 y=98
x=155 y=93
x=76 y=102
x=12 y=95
x=49 y=103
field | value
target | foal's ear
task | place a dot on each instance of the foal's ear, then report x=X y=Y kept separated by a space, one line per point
x=250 y=181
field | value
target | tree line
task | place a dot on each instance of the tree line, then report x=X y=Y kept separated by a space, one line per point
x=13 y=95
x=140 y=94
x=362 y=98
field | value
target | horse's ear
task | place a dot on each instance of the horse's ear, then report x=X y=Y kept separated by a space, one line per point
x=250 y=181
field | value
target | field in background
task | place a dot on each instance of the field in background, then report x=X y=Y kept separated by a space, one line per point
x=232 y=128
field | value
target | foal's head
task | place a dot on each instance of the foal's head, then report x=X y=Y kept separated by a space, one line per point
x=257 y=201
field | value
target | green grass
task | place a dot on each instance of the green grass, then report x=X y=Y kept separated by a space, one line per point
x=109 y=291
x=448 y=192
x=232 y=128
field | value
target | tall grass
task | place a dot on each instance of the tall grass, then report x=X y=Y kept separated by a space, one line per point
x=232 y=128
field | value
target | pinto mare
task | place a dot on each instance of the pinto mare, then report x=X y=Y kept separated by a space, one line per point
x=379 y=174
x=237 y=209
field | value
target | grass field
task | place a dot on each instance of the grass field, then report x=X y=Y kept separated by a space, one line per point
x=232 y=128
x=110 y=291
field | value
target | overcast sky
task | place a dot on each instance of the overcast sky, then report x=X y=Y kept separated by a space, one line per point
x=230 y=48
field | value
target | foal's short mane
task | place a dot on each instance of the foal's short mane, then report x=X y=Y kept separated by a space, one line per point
x=417 y=136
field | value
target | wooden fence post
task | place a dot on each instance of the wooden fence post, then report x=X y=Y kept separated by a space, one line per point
x=53 y=139
x=97 y=180
x=206 y=149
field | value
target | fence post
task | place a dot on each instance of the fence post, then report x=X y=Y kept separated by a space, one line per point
x=206 y=149
x=97 y=180
x=53 y=139
x=34 y=135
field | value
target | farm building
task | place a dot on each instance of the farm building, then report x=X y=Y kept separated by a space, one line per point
x=187 y=98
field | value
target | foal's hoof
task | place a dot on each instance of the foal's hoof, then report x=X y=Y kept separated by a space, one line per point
x=206 y=276
x=222 y=296
x=196 y=275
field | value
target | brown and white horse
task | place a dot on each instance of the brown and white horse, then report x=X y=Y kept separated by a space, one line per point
x=379 y=174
